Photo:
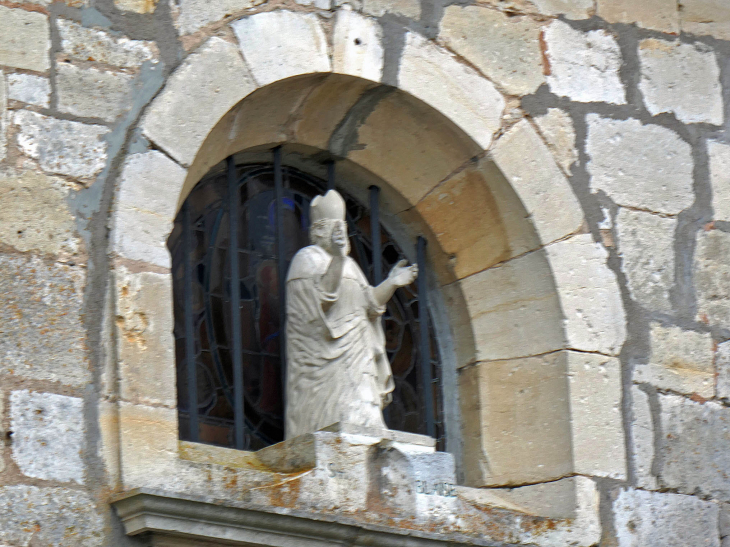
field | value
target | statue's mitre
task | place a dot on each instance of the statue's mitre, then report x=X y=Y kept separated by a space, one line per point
x=329 y=206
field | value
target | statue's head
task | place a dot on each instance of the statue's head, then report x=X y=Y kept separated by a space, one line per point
x=328 y=227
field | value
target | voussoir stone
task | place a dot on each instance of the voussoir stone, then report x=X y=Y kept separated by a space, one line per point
x=706 y=17
x=48 y=435
x=557 y=128
x=358 y=45
x=25 y=39
x=195 y=14
x=646 y=247
x=660 y=519
x=712 y=277
x=208 y=84
x=719 y=155
x=643 y=166
x=85 y=44
x=457 y=91
x=61 y=146
x=29 y=89
x=722 y=364
x=642 y=434
x=92 y=93
x=281 y=44
x=681 y=78
x=572 y=9
x=3 y=118
x=405 y=8
x=136 y=6
x=652 y=14
x=583 y=66
x=505 y=48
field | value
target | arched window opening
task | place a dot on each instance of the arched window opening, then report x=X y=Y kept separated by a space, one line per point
x=270 y=212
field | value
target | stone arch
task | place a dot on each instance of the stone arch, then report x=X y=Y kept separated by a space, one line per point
x=535 y=312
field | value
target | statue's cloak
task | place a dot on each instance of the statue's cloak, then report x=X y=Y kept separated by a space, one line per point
x=337 y=369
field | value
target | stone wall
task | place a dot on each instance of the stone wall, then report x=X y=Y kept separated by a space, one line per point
x=625 y=100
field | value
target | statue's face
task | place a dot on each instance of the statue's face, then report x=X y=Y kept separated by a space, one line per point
x=339 y=234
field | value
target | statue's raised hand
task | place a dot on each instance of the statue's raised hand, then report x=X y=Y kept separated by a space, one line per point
x=402 y=274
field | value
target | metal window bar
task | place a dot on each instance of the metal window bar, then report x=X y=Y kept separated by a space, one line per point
x=375 y=234
x=281 y=266
x=189 y=325
x=424 y=338
x=330 y=175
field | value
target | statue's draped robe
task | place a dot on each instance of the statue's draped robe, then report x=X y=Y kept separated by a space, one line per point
x=337 y=370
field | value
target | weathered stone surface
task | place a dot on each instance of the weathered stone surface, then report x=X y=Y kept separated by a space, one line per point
x=681 y=78
x=406 y=8
x=281 y=44
x=642 y=434
x=145 y=207
x=643 y=166
x=84 y=44
x=92 y=93
x=654 y=519
x=505 y=48
x=712 y=277
x=136 y=6
x=207 y=85
x=572 y=9
x=195 y=14
x=529 y=166
x=145 y=344
x=599 y=447
x=41 y=333
x=652 y=14
x=646 y=246
x=437 y=78
x=48 y=435
x=557 y=128
x=3 y=118
x=583 y=66
x=319 y=4
x=29 y=89
x=695 y=451
x=25 y=39
x=57 y=517
x=589 y=295
x=706 y=17
x=61 y=146
x=680 y=361
x=358 y=46
x=719 y=155
x=722 y=365
x=35 y=215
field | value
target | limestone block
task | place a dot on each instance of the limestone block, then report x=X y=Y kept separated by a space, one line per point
x=643 y=166
x=43 y=337
x=64 y=147
x=680 y=361
x=196 y=14
x=719 y=154
x=557 y=128
x=405 y=8
x=706 y=17
x=695 y=451
x=646 y=247
x=48 y=435
x=84 y=44
x=599 y=447
x=516 y=426
x=572 y=9
x=437 y=78
x=145 y=208
x=25 y=39
x=281 y=44
x=652 y=14
x=136 y=6
x=53 y=516
x=3 y=117
x=722 y=364
x=514 y=309
x=504 y=48
x=207 y=85
x=712 y=277
x=659 y=519
x=108 y=445
x=145 y=344
x=681 y=78
x=358 y=46
x=642 y=434
x=589 y=295
x=319 y=4
x=92 y=93
x=70 y=3
x=583 y=66
x=29 y=89
x=529 y=166
x=36 y=215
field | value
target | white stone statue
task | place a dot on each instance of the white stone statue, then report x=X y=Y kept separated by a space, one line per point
x=337 y=368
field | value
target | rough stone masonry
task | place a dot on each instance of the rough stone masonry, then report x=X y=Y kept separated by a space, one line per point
x=627 y=101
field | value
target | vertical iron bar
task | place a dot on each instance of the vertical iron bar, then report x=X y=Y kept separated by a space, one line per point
x=281 y=263
x=425 y=343
x=330 y=175
x=238 y=387
x=375 y=234
x=189 y=326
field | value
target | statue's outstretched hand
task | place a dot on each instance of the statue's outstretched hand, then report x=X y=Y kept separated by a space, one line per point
x=402 y=274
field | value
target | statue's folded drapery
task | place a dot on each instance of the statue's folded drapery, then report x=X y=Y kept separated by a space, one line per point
x=336 y=368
